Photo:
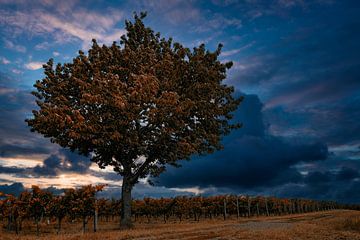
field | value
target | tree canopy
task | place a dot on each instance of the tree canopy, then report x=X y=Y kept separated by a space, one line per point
x=137 y=105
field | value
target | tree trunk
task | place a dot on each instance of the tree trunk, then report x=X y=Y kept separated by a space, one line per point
x=126 y=204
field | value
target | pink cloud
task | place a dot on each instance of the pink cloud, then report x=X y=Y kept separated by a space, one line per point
x=34 y=65
x=4 y=60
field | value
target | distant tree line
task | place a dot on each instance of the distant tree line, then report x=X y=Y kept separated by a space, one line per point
x=81 y=204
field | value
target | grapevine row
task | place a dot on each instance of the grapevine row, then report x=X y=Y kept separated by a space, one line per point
x=82 y=204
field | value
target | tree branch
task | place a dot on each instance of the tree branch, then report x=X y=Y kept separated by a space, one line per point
x=141 y=169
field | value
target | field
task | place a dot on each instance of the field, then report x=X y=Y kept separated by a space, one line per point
x=336 y=224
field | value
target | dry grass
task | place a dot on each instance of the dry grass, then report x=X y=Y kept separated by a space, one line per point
x=332 y=225
x=352 y=223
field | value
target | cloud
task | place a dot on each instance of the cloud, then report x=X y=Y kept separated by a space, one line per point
x=24 y=154
x=255 y=162
x=56 y=54
x=4 y=60
x=16 y=105
x=173 y=11
x=248 y=163
x=313 y=120
x=43 y=46
x=224 y=3
x=95 y=26
x=215 y=23
x=11 y=170
x=177 y=16
x=5 y=90
x=236 y=51
x=16 y=71
x=340 y=185
x=299 y=68
x=34 y=65
x=13 y=149
x=62 y=162
x=49 y=166
x=347 y=173
x=305 y=78
x=251 y=157
x=63 y=24
x=14 y=189
x=16 y=158
x=293 y=139
x=290 y=3
x=142 y=190
x=12 y=46
x=253 y=10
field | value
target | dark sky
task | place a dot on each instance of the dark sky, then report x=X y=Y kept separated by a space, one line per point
x=296 y=62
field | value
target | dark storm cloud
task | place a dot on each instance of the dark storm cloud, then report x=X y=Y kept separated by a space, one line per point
x=64 y=161
x=332 y=179
x=321 y=66
x=248 y=163
x=112 y=176
x=11 y=170
x=49 y=167
x=302 y=63
x=342 y=186
x=250 y=115
x=11 y=150
x=350 y=192
x=337 y=122
x=16 y=138
x=308 y=75
x=257 y=163
x=141 y=191
x=251 y=157
x=317 y=178
x=348 y=174
x=78 y=163
x=13 y=189
x=16 y=188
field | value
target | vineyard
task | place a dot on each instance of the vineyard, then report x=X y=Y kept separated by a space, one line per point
x=81 y=205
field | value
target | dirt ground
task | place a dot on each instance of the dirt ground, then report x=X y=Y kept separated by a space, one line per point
x=330 y=225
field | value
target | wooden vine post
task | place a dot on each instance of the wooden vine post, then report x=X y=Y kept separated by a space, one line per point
x=237 y=207
x=266 y=206
x=225 y=208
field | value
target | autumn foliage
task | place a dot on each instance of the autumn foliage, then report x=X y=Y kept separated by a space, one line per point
x=137 y=106
x=81 y=205
x=38 y=204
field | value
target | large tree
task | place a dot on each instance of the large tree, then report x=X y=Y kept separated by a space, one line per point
x=137 y=105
